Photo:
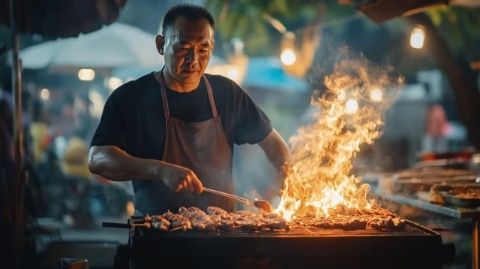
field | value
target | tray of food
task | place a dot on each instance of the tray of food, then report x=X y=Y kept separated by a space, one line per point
x=413 y=185
x=459 y=195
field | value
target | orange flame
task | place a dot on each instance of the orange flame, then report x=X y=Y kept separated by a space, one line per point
x=346 y=116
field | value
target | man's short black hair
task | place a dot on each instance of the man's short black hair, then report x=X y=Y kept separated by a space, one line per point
x=189 y=11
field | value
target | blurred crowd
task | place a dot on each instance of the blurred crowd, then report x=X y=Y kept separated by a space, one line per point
x=59 y=183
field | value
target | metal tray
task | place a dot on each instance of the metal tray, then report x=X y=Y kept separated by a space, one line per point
x=452 y=194
x=458 y=201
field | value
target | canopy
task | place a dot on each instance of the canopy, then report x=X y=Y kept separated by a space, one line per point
x=112 y=46
x=267 y=73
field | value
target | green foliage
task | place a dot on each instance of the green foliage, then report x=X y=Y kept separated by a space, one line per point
x=245 y=19
x=460 y=26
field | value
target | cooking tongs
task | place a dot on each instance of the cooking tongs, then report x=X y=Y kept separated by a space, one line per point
x=261 y=204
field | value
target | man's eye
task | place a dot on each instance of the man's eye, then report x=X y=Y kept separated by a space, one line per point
x=181 y=48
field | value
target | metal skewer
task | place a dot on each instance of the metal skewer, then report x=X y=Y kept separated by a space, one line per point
x=261 y=204
x=230 y=196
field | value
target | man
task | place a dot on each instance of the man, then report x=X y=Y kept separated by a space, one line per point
x=172 y=132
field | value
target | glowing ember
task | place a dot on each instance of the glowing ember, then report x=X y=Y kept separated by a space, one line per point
x=346 y=116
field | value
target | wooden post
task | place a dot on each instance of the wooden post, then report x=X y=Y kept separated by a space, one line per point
x=18 y=137
x=475 y=242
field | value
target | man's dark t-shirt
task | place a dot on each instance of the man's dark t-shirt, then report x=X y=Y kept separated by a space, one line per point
x=133 y=117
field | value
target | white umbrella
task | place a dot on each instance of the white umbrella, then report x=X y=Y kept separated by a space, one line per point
x=112 y=46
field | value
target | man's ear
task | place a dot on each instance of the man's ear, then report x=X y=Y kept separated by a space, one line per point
x=160 y=41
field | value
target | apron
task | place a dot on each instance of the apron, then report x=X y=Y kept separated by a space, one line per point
x=200 y=146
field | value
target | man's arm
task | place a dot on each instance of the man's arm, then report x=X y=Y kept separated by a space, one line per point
x=115 y=164
x=278 y=154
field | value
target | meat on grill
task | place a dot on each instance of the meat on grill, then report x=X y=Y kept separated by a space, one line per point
x=199 y=219
x=355 y=219
x=177 y=221
x=158 y=222
x=217 y=219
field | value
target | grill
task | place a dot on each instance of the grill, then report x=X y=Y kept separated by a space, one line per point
x=415 y=247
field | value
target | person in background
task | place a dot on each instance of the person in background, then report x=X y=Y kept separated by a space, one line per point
x=172 y=131
x=436 y=130
x=75 y=159
x=77 y=183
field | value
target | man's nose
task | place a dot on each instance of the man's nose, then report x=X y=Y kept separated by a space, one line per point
x=191 y=56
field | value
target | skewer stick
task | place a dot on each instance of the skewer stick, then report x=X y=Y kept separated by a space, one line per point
x=228 y=195
x=176 y=229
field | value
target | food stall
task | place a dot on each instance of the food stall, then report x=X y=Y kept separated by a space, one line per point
x=446 y=186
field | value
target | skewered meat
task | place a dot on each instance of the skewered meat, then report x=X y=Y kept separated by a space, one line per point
x=218 y=219
x=274 y=222
x=277 y=224
x=160 y=223
x=199 y=219
x=213 y=210
x=178 y=222
x=387 y=224
x=222 y=218
x=354 y=219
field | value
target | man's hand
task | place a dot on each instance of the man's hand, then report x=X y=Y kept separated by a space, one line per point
x=115 y=164
x=179 y=178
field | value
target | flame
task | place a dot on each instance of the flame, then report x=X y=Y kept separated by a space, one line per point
x=345 y=117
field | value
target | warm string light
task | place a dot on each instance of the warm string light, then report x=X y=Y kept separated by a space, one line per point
x=234 y=74
x=351 y=106
x=113 y=82
x=417 y=37
x=45 y=94
x=288 y=55
x=86 y=74
x=376 y=95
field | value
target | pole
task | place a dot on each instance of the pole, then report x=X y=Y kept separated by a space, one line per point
x=18 y=137
x=475 y=242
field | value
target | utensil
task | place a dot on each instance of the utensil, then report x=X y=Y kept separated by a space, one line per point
x=122 y=225
x=258 y=203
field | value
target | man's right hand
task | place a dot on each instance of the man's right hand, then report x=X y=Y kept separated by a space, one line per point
x=179 y=178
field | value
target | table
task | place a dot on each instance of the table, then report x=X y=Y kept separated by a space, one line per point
x=459 y=213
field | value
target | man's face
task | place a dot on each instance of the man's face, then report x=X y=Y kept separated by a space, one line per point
x=187 y=47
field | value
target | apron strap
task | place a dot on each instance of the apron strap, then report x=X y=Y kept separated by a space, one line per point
x=210 y=97
x=166 y=110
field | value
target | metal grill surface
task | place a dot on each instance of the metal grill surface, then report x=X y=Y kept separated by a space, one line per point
x=298 y=247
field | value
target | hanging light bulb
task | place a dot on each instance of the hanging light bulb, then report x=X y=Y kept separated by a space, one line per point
x=417 y=37
x=233 y=73
x=113 y=83
x=351 y=106
x=86 y=74
x=288 y=55
x=45 y=94
x=376 y=95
